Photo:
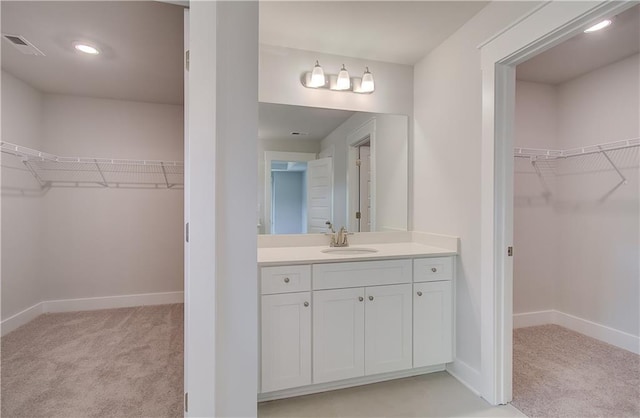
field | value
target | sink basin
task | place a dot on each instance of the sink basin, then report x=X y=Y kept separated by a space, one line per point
x=349 y=250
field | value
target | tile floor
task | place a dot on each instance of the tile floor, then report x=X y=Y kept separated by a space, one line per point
x=432 y=395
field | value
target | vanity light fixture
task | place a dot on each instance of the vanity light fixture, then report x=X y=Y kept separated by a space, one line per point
x=316 y=79
x=86 y=48
x=598 y=26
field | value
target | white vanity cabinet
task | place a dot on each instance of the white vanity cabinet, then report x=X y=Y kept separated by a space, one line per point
x=432 y=311
x=285 y=327
x=351 y=321
x=361 y=331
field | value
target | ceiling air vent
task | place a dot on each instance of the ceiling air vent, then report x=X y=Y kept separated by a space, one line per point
x=22 y=45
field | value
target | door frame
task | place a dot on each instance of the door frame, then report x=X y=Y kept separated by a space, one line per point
x=270 y=156
x=365 y=132
x=544 y=27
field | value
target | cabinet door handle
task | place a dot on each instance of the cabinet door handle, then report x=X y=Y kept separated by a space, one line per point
x=433 y=269
x=419 y=293
x=370 y=297
x=306 y=304
x=360 y=298
x=286 y=280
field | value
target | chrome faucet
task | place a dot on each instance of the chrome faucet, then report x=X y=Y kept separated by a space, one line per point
x=338 y=239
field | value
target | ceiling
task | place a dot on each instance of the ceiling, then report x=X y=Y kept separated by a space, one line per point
x=401 y=32
x=141 y=45
x=585 y=52
x=277 y=121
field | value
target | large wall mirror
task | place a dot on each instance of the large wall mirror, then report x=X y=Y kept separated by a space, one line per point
x=320 y=165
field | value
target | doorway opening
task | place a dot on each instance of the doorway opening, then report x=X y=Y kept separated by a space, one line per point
x=289 y=197
x=549 y=25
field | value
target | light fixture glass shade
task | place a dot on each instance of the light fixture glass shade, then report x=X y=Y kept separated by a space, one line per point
x=598 y=26
x=317 y=76
x=344 y=81
x=367 y=85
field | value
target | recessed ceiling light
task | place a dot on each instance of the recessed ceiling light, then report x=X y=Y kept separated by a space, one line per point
x=86 y=48
x=599 y=26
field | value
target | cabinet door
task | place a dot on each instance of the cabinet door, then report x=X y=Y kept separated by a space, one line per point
x=286 y=341
x=388 y=328
x=338 y=334
x=432 y=323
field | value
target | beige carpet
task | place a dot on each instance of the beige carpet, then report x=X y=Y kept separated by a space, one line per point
x=560 y=373
x=112 y=363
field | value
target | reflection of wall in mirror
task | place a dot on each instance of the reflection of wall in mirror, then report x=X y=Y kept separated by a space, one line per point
x=391 y=168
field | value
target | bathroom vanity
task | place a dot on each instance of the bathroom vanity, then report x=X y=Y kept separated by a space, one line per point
x=344 y=317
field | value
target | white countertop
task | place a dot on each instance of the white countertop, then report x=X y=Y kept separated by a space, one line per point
x=314 y=254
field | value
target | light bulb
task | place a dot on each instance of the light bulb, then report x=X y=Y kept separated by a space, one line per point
x=598 y=26
x=86 y=48
x=344 y=81
x=317 y=76
x=367 y=85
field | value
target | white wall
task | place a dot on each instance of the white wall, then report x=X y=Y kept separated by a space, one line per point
x=22 y=109
x=536 y=236
x=236 y=274
x=446 y=149
x=600 y=239
x=104 y=242
x=281 y=70
x=90 y=242
x=391 y=168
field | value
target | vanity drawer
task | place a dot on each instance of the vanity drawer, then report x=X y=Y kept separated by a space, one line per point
x=432 y=269
x=361 y=273
x=285 y=279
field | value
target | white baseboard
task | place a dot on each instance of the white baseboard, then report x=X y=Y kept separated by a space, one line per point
x=21 y=318
x=532 y=319
x=342 y=384
x=111 y=302
x=589 y=328
x=599 y=332
x=466 y=374
x=89 y=304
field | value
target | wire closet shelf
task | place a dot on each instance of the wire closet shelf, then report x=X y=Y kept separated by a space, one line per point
x=52 y=170
x=545 y=161
x=548 y=154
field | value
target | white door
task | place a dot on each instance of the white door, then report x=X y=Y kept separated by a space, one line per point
x=338 y=334
x=432 y=323
x=388 y=328
x=319 y=194
x=286 y=341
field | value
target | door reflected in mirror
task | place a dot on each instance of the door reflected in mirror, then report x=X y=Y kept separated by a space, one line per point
x=324 y=165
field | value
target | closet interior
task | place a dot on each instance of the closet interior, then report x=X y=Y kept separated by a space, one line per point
x=92 y=182
x=577 y=225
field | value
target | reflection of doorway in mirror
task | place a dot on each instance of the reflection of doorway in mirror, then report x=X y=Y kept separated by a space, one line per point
x=288 y=197
x=364 y=184
x=361 y=178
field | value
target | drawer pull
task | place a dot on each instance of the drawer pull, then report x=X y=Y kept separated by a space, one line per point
x=370 y=297
x=360 y=298
x=306 y=304
x=433 y=269
x=419 y=293
x=286 y=280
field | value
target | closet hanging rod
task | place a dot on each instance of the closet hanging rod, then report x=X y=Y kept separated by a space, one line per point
x=548 y=154
x=32 y=154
